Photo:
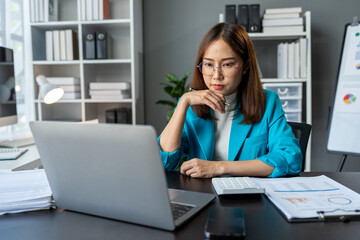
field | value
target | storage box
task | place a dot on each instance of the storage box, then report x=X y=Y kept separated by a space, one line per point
x=291 y=104
x=285 y=89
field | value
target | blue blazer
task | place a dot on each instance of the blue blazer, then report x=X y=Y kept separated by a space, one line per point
x=271 y=140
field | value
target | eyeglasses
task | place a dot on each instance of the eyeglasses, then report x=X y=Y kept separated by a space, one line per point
x=226 y=69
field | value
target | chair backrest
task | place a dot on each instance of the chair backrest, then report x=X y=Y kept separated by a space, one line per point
x=301 y=132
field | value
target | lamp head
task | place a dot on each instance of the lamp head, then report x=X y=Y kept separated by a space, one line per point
x=50 y=92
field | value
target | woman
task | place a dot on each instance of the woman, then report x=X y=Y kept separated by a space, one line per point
x=228 y=124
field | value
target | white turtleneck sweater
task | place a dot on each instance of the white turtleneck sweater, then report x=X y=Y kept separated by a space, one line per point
x=223 y=128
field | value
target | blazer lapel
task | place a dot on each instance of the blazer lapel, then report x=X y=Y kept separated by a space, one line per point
x=238 y=135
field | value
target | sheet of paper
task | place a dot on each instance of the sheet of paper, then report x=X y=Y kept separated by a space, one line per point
x=303 y=197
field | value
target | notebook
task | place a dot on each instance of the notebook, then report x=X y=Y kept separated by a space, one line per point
x=113 y=171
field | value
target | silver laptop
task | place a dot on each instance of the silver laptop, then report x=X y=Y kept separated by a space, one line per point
x=113 y=171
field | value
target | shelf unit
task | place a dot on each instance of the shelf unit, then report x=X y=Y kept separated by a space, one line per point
x=265 y=45
x=125 y=29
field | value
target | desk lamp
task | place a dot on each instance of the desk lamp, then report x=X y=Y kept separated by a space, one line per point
x=49 y=92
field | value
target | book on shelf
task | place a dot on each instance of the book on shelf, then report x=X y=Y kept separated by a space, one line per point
x=297 y=59
x=89 y=10
x=282 y=60
x=282 y=16
x=111 y=97
x=49 y=45
x=63 y=80
x=95 y=9
x=62 y=45
x=303 y=57
x=283 y=29
x=56 y=42
x=32 y=11
x=109 y=92
x=83 y=10
x=283 y=22
x=72 y=50
x=109 y=85
x=106 y=9
x=283 y=10
x=290 y=67
x=43 y=10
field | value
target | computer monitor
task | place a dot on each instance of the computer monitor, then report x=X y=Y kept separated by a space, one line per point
x=8 y=111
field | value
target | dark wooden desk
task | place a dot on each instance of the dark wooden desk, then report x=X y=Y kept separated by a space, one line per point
x=263 y=221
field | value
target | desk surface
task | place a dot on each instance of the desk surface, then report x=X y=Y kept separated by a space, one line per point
x=262 y=220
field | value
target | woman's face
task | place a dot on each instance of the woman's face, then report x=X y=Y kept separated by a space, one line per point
x=227 y=66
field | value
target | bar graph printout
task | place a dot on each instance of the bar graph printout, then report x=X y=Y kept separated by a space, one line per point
x=304 y=197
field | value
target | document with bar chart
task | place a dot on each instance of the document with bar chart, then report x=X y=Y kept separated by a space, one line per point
x=304 y=198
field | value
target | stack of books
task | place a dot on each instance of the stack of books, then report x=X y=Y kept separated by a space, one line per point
x=95 y=10
x=44 y=10
x=283 y=20
x=70 y=85
x=110 y=90
x=292 y=59
x=61 y=45
x=22 y=191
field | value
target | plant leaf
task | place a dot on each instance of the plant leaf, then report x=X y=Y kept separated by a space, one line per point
x=172 y=78
x=168 y=89
x=166 y=102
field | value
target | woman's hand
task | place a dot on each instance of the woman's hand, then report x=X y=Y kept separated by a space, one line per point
x=199 y=168
x=205 y=97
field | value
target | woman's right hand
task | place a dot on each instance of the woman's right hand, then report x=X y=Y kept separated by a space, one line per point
x=205 y=97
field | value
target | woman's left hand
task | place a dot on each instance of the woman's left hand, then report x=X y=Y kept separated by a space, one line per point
x=199 y=168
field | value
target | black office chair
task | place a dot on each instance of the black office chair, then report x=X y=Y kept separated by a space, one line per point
x=301 y=132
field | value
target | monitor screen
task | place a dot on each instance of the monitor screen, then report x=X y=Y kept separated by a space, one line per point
x=8 y=113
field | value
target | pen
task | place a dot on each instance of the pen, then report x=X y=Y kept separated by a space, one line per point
x=227 y=104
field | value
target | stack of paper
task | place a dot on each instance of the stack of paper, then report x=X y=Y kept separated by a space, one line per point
x=110 y=90
x=24 y=191
x=70 y=85
x=283 y=20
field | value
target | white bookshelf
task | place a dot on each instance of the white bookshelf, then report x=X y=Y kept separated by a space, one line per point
x=263 y=38
x=125 y=29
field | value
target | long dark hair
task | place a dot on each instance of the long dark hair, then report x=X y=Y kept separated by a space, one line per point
x=250 y=93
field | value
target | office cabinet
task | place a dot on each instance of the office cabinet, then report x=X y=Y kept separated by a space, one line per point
x=124 y=28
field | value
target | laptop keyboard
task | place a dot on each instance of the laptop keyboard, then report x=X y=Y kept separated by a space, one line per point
x=179 y=210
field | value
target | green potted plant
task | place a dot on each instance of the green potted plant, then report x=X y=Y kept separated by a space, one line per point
x=175 y=88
